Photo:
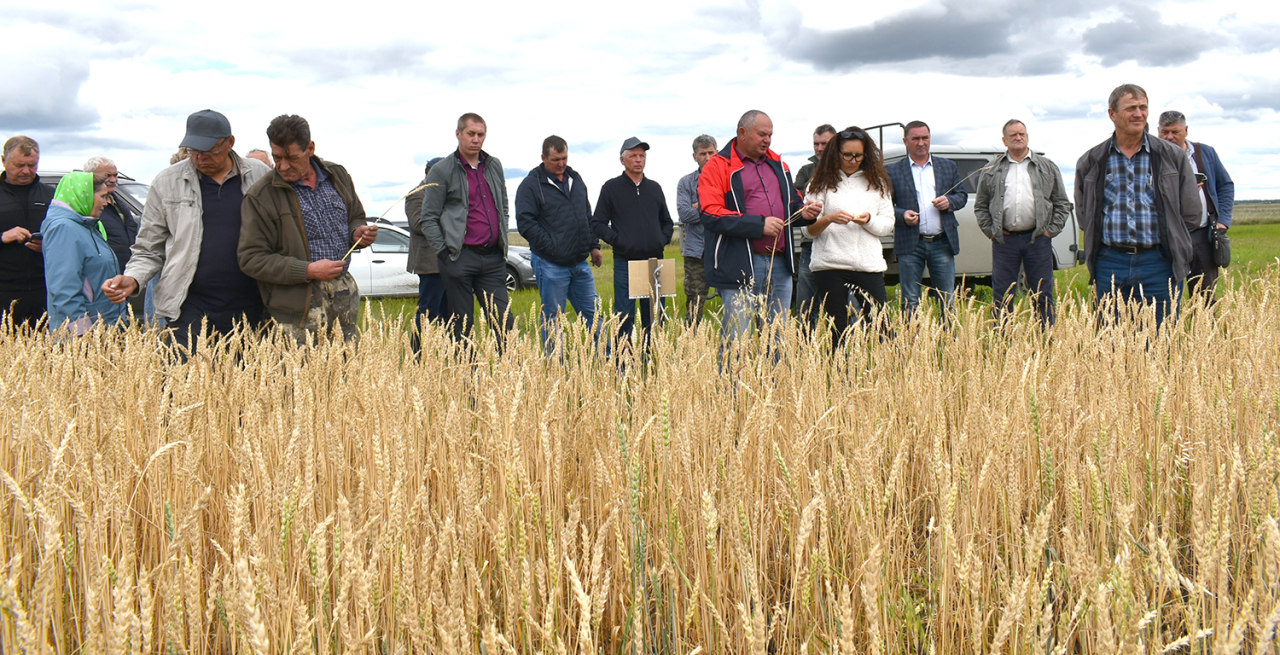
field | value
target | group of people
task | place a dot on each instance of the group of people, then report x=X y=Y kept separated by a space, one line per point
x=226 y=240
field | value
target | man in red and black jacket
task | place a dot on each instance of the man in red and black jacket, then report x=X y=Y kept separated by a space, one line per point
x=748 y=204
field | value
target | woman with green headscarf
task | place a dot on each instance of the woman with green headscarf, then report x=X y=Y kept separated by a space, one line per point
x=77 y=260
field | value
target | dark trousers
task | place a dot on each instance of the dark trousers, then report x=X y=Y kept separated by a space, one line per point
x=189 y=322
x=833 y=289
x=24 y=306
x=806 y=291
x=1023 y=251
x=1204 y=272
x=432 y=303
x=478 y=274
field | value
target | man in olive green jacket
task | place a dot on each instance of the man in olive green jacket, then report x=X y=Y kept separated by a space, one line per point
x=299 y=225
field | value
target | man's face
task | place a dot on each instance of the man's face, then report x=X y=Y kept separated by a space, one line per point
x=19 y=168
x=754 y=139
x=293 y=163
x=703 y=155
x=1176 y=133
x=820 y=142
x=1131 y=116
x=471 y=139
x=556 y=161
x=633 y=160
x=216 y=159
x=1015 y=138
x=917 y=142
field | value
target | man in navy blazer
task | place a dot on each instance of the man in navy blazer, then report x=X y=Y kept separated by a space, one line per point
x=926 y=195
x=1217 y=196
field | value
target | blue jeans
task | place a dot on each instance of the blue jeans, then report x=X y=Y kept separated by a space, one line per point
x=772 y=284
x=625 y=307
x=1145 y=277
x=941 y=261
x=558 y=285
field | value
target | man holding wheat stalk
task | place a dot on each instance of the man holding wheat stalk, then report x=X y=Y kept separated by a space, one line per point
x=300 y=225
x=748 y=205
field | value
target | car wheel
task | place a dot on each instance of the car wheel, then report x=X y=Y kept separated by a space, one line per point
x=513 y=279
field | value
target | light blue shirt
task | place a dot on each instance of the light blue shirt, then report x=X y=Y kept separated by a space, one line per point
x=930 y=217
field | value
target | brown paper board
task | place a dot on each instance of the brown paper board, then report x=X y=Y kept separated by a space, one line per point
x=639 y=277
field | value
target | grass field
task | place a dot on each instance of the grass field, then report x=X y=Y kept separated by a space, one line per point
x=959 y=489
x=1255 y=243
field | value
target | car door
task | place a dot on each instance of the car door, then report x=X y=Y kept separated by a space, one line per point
x=388 y=259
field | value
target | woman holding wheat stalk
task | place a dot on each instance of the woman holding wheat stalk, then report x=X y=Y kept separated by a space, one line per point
x=851 y=183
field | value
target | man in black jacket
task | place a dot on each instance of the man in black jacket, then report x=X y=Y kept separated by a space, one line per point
x=553 y=214
x=632 y=216
x=23 y=203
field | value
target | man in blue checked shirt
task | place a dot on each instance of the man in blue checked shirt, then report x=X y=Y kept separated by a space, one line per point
x=1138 y=202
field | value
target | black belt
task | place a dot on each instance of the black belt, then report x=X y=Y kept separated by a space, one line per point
x=930 y=238
x=1022 y=232
x=1132 y=250
x=482 y=250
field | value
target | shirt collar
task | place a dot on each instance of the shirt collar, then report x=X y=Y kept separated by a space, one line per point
x=463 y=160
x=927 y=163
x=749 y=159
x=1144 y=147
x=1191 y=149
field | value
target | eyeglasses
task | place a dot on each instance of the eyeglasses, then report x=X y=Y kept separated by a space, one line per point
x=853 y=156
x=204 y=153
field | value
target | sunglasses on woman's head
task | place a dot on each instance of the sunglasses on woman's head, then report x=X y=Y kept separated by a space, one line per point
x=852 y=134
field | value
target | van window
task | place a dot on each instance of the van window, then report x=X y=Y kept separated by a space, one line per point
x=390 y=241
x=969 y=172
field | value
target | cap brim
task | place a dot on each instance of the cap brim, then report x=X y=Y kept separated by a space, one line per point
x=198 y=142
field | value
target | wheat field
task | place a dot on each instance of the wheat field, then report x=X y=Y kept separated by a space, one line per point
x=963 y=489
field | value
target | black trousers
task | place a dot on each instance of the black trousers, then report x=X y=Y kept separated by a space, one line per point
x=190 y=321
x=1023 y=252
x=477 y=275
x=833 y=288
x=1204 y=272
x=27 y=305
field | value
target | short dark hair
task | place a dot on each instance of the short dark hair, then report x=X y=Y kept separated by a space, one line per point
x=1118 y=94
x=913 y=125
x=286 y=129
x=1172 y=117
x=470 y=117
x=1004 y=131
x=555 y=143
x=26 y=144
x=825 y=128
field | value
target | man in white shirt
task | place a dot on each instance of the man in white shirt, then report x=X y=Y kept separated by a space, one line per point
x=1021 y=205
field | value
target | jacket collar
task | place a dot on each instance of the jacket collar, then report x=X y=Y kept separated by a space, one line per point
x=730 y=152
x=190 y=174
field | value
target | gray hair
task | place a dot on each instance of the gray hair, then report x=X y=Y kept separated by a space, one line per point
x=26 y=144
x=94 y=163
x=256 y=150
x=748 y=119
x=704 y=141
x=1172 y=117
x=1118 y=94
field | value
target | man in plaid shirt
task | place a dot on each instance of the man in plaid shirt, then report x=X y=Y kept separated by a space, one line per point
x=1137 y=201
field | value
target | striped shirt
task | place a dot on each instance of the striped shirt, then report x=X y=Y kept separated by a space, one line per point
x=1129 y=205
x=324 y=215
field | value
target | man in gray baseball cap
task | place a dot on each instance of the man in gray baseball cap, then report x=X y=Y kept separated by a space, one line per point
x=189 y=234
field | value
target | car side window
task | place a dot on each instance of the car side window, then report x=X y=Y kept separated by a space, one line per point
x=390 y=241
x=969 y=172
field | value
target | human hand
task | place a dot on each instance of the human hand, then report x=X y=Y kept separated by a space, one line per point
x=840 y=217
x=1222 y=227
x=325 y=269
x=597 y=257
x=863 y=218
x=365 y=235
x=910 y=217
x=942 y=203
x=119 y=288
x=16 y=235
x=811 y=210
x=772 y=226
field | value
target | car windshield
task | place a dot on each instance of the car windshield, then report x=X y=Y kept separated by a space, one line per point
x=136 y=190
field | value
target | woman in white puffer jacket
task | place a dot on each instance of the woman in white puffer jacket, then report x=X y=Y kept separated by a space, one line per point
x=855 y=192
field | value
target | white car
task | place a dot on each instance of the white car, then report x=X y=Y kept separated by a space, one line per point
x=380 y=269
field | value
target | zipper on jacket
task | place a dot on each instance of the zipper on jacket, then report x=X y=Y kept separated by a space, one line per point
x=742 y=209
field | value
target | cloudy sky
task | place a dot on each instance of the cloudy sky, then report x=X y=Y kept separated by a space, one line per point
x=382 y=84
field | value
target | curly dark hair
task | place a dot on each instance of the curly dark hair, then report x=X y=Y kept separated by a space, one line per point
x=826 y=175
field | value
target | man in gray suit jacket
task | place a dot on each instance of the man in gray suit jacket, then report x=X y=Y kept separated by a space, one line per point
x=926 y=195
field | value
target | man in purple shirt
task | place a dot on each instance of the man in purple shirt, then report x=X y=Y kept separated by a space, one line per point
x=464 y=219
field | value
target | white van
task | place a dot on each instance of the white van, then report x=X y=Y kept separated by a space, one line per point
x=973 y=264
